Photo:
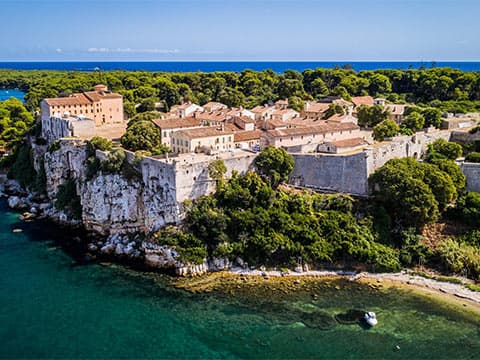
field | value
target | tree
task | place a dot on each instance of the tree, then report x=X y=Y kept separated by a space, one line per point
x=146 y=105
x=217 y=169
x=387 y=128
x=143 y=135
x=400 y=188
x=274 y=165
x=334 y=109
x=433 y=117
x=296 y=103
x=473 y=157
x=415 y=121
x=369 y=116
x=445 y=149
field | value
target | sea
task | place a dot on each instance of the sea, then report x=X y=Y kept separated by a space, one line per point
x=55 y=305
x=212 y=66
x=9 y=93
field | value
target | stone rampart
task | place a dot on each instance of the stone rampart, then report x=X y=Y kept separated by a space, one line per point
x=472 y=173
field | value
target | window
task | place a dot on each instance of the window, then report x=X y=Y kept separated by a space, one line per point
x=164 y=134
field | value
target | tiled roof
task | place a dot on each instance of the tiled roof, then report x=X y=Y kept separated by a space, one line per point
x=203 y=132
x=176 y=123
x=362 y=100
x=317 y=129
x=240 y=136
x=317 y=107
x=74 y=99
x=349 y=143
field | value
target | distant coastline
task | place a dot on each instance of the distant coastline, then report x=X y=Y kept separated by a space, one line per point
x=212 y=66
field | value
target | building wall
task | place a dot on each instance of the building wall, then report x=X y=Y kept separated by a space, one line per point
x=472 y=173
x=183 y=144
x=349 y=173
x=111 y=111
x=337 y=173
x=299 y=140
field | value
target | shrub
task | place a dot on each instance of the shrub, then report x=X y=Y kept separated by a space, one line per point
x=54 y=146
x=474 y=130
x=385 y=129
x=473 y=157
x=22 y=168
x=113 y=162
x=68 y=200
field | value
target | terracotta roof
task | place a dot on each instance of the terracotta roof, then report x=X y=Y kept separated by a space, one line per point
x=177 y=123
x=317 y=129
x=245 y=119
x=203 y=132
x=74 y=99
x=214 y=104
x=85 y=98
x=348 y=143
x=284 y=111
x=362 y=100
x=260 y=109
x=219 y=115
x=317 y=107
x=240 y=136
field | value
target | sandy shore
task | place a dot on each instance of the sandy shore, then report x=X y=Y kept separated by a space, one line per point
x=451 y=292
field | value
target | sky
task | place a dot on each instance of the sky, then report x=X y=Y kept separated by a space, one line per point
x=229 y=30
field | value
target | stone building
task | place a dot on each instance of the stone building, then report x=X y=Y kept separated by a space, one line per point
x=100 y=105
x=309 y=136
x=204 y=139
x=169 y=126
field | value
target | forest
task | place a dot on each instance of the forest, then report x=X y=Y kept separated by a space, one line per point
x=446 y=89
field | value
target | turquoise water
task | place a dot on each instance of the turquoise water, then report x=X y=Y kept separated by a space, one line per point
x=53 y=307
x=8 y=93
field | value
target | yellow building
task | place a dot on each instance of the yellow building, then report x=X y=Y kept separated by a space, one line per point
x=202 y=139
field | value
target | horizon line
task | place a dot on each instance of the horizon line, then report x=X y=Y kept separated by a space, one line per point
x=250 y=61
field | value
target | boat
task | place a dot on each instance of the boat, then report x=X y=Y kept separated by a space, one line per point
x=370 y=318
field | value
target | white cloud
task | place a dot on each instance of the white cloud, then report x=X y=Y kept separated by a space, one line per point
x=130 y=50
x=58 y=50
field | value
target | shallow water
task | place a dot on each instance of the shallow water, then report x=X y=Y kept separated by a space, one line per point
x=51 y=307
x=8 y=93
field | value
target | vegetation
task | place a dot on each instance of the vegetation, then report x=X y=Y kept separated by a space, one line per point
x=143 y=135
x=473 y=157
x=15 y=122
x=444 y=89
x=385 y=129
x=68 y=200
x=274 y=165
x=369 y=116
x=441 y=148
x=413 y=193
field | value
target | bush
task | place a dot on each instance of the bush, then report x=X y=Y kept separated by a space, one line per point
x=113 y=163
x=467 y=208
x=387 y=128
x=68 y=200
x=474 y=130
x=473 y=157
x=22 y=168
x=98 y=143
x=54 y=146
x=446 y=149
x=458 y=257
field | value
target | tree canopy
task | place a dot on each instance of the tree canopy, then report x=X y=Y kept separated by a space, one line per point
x=274 y=165
x=143 y=135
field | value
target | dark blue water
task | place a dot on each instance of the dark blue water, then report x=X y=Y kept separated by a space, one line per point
x=211 y=66
x=52 y=307
x=8 y=93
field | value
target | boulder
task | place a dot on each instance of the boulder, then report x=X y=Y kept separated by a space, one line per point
x=16 y=202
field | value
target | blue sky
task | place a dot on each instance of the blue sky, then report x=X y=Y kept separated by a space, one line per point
x=349 y=30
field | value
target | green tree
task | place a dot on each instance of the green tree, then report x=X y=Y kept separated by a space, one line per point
x=387 y=128
x=433 y=117
x=217 y=169
x=334 y=109
x=444 y=149
x=414 y=121
x=143 y=135
x=274 y=165
x=369 y=116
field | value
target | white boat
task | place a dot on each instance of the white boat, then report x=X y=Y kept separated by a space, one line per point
x=370 y=318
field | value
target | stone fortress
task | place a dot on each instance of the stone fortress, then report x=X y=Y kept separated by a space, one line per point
x=113 y=204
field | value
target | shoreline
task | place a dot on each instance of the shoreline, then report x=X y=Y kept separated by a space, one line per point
x=448 y=292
